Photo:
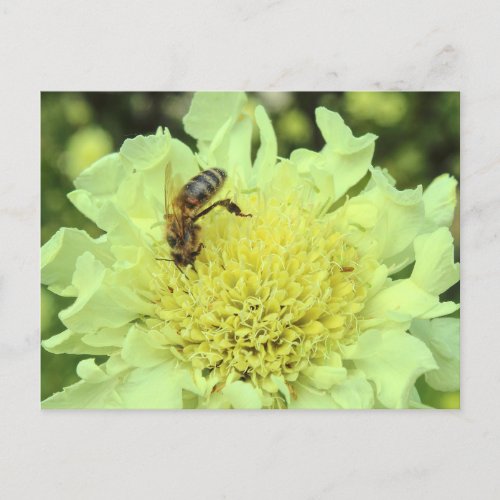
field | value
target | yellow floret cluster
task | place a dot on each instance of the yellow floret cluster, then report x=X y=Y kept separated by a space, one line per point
x=270 y=296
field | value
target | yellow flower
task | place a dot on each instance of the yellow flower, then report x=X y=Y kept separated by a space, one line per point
x=292 y=308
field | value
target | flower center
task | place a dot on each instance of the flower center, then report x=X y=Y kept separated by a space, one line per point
x=272 y=294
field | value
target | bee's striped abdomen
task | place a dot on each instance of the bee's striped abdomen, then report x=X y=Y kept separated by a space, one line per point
x=201 y=188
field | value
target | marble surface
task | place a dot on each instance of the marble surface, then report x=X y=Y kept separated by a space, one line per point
x=259 y=45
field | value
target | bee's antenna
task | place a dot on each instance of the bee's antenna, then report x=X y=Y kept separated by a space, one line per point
x=165 y=188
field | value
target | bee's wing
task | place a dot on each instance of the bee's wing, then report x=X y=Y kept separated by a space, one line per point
x=173 y=184
x=168 y=189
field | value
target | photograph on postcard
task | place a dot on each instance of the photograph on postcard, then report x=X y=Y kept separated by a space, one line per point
x=260 y=250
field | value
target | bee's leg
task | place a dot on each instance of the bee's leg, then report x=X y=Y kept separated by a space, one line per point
x=195 y=254
x=230 y=206
x=197 y=251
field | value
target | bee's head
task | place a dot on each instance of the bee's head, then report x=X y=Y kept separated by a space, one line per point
x=178 y=236
x=182 y=259
x=176 y=240
x=172 y=240
x=173 y=236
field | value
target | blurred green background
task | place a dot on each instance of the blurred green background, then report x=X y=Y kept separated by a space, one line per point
x=419 y=138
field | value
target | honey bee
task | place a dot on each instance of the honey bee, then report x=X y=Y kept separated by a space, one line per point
x=182 y=211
